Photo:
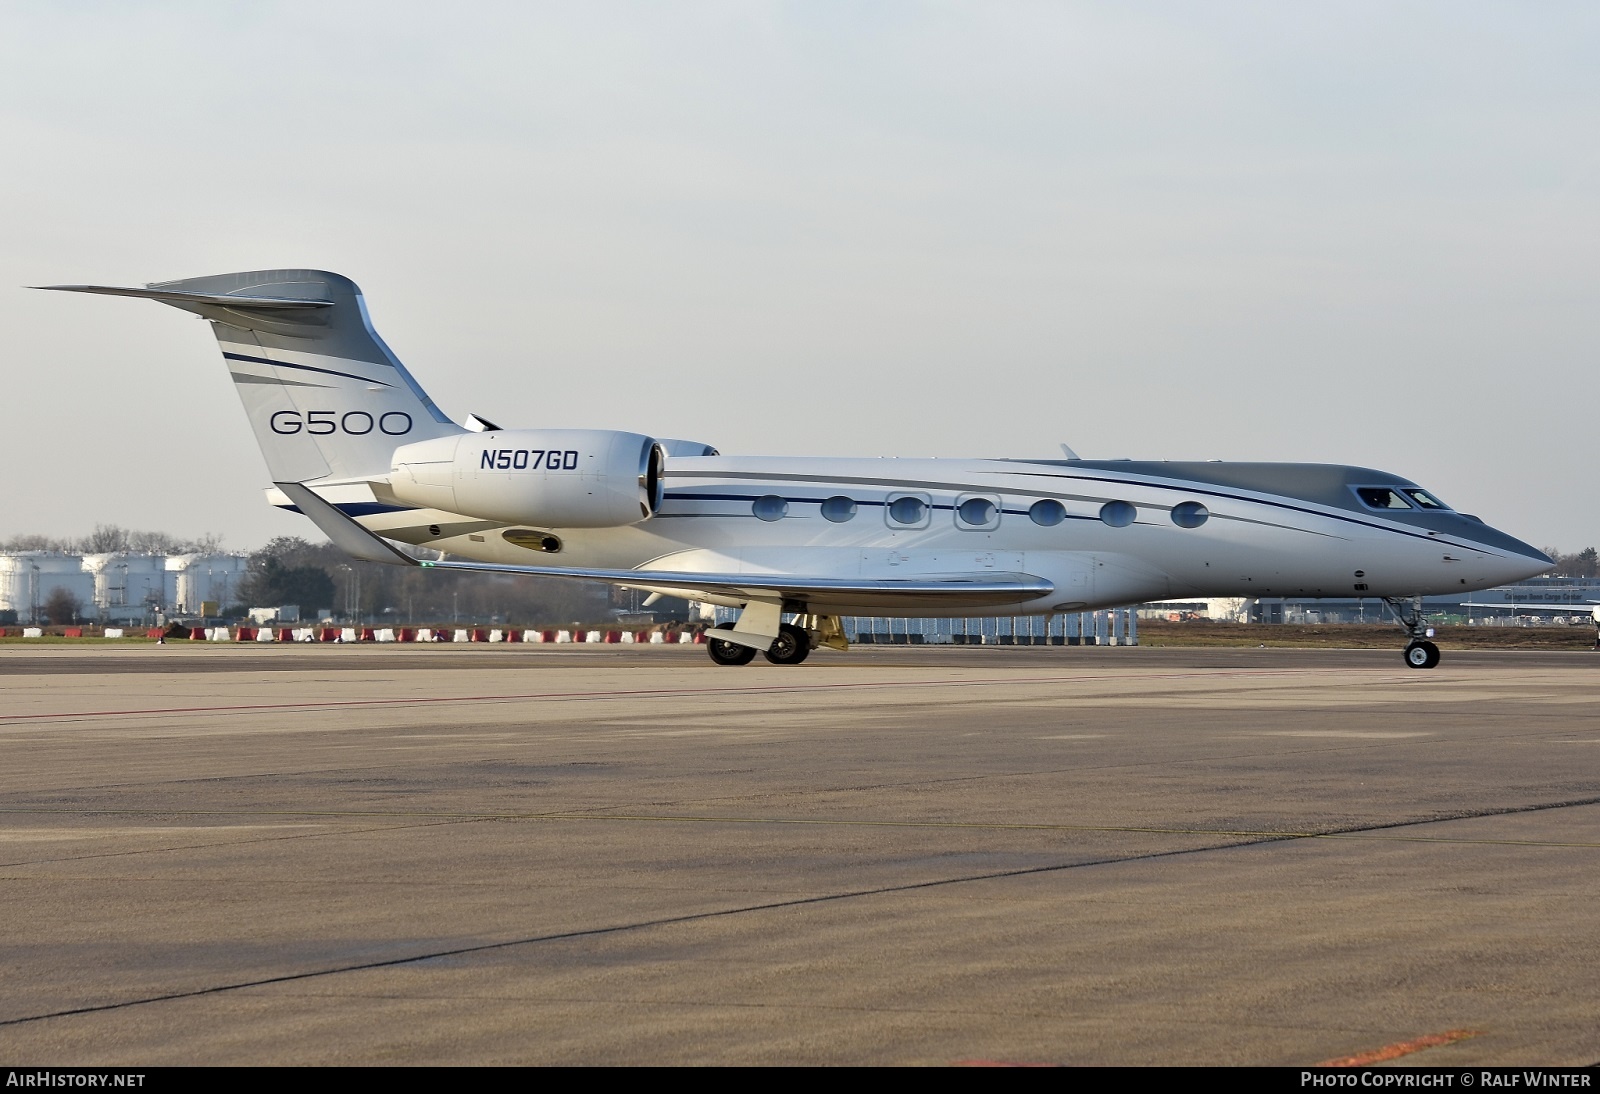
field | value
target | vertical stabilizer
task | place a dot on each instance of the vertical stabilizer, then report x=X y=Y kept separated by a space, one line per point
x=326 y=398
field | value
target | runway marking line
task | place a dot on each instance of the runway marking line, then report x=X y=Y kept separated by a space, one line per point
x=682 y=919
x=1363 y=834
x=590 y=933
x=1402 y=1048
x=658 y=693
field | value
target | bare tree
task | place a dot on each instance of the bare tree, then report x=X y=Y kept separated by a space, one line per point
x=62 y=607
x=1586 y=563
x=104 y=539
x=107 y=538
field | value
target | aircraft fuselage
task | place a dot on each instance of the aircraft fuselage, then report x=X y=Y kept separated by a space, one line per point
x=1266 y=530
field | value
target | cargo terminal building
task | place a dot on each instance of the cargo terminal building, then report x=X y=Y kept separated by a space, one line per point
x=1486 y=607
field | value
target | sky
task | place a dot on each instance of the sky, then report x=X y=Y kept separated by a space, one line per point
x=1349 y=233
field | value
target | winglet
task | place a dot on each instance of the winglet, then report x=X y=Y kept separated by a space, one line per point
x=345 y=533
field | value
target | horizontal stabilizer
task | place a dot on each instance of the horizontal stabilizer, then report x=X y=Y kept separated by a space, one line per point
x=183 y=299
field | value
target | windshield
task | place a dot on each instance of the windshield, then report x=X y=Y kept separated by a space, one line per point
x=1424 y=499
x=1381 y=497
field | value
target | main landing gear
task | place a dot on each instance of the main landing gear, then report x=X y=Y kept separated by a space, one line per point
x=728 y=653
x=1419 y=653
x=791 y=647
x=793 y=644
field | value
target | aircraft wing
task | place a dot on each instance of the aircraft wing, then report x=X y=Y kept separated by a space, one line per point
x=953 y=590
x=1582 y=607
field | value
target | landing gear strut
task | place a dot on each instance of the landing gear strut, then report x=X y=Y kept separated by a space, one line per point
x=1419 y=653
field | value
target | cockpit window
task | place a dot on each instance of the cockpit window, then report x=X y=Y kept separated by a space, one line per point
x=1381 y=497
x=1423 y=498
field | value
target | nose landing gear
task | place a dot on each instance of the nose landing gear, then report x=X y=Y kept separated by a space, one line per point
x=1419 y=653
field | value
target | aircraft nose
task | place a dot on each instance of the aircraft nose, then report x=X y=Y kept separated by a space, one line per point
x=1521 y=562
x=1509 y=559
x=1526 y=566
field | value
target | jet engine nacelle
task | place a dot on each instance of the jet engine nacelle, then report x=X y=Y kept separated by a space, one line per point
x=555 y=478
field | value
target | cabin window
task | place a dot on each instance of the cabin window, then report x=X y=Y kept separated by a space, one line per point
x=908 y=510
x=1423 y=498
x=838 y=509
x=1118 y=514
x=1047 y=513
x=1190 y=514
x=770 y=507
x=977 y=513
x=1381 y=497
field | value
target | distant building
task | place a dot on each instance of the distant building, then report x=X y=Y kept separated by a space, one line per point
x=119 y=587
x=1486 y=605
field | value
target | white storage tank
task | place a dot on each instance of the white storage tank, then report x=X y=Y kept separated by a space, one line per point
x=128 y=586
x=29 y=577
x=199 y=579
x=15 y=583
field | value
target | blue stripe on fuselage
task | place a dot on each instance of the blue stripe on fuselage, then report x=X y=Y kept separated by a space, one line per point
x=359 y=508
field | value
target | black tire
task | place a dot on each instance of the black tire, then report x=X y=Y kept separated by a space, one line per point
x=1422 y=655
x=727 y=653
x=791 y=647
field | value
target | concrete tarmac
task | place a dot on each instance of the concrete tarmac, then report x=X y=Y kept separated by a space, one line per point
x=535 y=855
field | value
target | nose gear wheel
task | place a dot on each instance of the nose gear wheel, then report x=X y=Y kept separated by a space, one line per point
x=1422 y=655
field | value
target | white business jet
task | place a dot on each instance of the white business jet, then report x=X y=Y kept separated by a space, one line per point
x=354 y=443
